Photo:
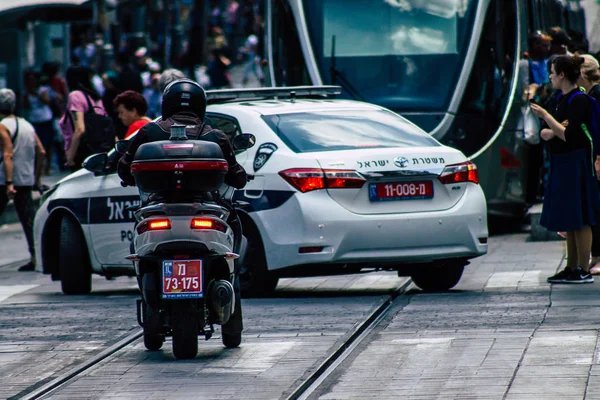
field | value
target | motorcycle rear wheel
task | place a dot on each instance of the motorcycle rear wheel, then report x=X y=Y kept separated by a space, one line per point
x=185 y=333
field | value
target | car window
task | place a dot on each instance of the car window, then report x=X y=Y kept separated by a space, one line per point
x=228 y=125
x=346 y=130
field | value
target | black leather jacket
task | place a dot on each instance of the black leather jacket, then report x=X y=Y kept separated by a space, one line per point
x=161 y=130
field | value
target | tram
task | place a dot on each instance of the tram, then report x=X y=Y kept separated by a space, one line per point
x=450 y=66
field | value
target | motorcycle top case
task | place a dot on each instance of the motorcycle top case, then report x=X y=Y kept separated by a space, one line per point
x=177 y=165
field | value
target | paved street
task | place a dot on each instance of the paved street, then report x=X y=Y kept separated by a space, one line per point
x=503 y=333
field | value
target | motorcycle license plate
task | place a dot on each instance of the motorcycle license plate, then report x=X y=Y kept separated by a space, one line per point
x=182 y=279
x=401 y=191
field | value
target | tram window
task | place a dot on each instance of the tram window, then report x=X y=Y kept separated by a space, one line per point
x=288 y=59
x=486 y=96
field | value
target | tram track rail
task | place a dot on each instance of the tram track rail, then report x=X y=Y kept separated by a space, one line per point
x=302 y=391
x=358 y=335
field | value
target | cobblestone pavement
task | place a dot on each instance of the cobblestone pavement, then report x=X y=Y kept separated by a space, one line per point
x=503 y=333
x=44 y=333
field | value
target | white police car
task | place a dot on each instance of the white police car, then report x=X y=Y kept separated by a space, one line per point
x=340 y=186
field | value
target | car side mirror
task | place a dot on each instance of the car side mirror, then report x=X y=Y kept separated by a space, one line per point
x=122 y=146
x=96 y=163
x=244 y=141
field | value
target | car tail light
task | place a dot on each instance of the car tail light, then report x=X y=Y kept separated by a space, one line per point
x=153 y=225
x=208 y=223
x=463 y=172
x=308 y=179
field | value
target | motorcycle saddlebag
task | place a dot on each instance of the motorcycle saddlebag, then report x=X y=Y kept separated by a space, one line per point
x=175 y=166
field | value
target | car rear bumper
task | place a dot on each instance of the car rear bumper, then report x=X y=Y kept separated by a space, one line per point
x=314 y=220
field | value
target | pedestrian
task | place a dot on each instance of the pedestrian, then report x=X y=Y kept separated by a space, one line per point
x=571 y=201
x=132 y=107
x=250 y=49
x=217 y=70
x=168 y=76
x=560 y=41
x=21 y=167
x=37 y=102
x=153 y=97
x=110 y=80
x=130 y=77
x=590 y=81
x=82 y=95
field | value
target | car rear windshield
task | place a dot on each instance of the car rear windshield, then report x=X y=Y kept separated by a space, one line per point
x=346 y=130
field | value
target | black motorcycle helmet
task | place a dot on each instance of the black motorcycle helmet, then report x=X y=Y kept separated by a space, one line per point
x=183 y=95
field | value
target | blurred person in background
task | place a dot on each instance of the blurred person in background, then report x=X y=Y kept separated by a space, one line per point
x=168 y=76
x=560 y=41
x=153 y=96
x=131 y=108
x=217 y=70
x=129 y=76
x=110 y=80
x=82 y=94
x=36 y=102
x=250 y=50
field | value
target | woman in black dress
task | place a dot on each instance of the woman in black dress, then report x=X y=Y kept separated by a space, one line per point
x=572 y=197
x=590 y=81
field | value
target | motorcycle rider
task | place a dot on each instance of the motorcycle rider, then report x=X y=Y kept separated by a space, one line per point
x=184 y=102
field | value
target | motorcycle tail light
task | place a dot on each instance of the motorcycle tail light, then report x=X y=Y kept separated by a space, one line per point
x=153 y=225
x=457 y=173
x=208 y=223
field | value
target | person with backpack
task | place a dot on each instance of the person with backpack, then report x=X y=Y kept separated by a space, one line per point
x=572 y=197
x=86 y=126
x=21 y=162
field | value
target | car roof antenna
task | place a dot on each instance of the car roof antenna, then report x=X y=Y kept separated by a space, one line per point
x=292 y=96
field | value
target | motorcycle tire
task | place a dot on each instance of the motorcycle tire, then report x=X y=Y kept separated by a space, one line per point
x=153 y=342
x=185 y=333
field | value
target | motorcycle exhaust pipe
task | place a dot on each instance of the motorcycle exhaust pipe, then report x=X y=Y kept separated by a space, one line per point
x=220 y=300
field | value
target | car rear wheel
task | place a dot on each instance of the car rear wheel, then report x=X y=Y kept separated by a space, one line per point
x=440 y=276
x=74 y=261
x=255 y=278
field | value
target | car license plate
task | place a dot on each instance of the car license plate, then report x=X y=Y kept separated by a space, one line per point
x=182 y=279
x=401 y=191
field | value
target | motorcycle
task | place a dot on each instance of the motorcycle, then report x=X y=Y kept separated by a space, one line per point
x=184 y=242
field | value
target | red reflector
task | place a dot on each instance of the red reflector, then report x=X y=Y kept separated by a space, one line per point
x=308 y=179
x=153 y=225
x=315 y=249
x=508 y=159
x=208 y=165
x=207 y=223
x=457 y=173
x=483 y=240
